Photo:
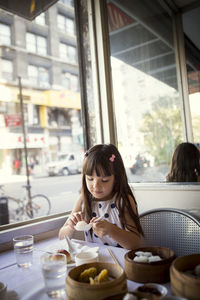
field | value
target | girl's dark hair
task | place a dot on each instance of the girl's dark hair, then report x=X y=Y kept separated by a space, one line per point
x=97 y=159
x=185 y=164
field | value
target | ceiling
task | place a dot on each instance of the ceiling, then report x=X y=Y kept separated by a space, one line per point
x=28 y=9
x=145 y=40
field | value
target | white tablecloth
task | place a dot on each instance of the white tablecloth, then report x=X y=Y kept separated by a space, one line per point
x=28 y=284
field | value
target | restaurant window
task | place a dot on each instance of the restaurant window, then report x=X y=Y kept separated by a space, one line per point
x=52 y=113
x=145 y=90
x=6 y=69
x=65 y=24
x=36 y=43
x=192 y=50
x=5 y=34
x=68 y=52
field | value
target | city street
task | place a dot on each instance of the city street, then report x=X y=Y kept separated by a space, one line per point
x=62 y=191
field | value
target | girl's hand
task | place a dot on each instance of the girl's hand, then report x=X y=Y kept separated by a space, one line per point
x=101 y=228
x=74 y=218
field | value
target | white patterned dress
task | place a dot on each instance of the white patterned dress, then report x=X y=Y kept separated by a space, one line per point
x=110 y=212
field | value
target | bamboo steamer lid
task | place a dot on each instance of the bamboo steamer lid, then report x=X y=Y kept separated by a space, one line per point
x=157 y=272
x=182 y=283
x=76 y=290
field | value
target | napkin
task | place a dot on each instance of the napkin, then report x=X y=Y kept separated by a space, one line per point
x=74 y=247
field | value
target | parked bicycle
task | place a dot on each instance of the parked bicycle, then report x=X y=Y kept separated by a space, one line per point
x=21 y=209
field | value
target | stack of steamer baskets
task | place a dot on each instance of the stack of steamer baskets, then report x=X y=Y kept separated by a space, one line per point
x=146 y=272
x=185 y=276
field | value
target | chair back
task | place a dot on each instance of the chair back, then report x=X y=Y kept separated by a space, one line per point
x=171 y=228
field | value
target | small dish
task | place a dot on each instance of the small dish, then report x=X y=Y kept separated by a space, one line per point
x=151 y=289
x=3 y=290
x=86 y=257
x=71 y=264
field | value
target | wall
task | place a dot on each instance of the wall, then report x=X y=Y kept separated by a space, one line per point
x=168 y=195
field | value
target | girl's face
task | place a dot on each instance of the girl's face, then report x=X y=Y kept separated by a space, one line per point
x=100 y=187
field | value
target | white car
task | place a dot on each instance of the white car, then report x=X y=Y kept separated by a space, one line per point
x=67 y=163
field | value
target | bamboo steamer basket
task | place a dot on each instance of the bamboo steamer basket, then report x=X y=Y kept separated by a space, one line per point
x=76 y=290
x=157 y=272
x=183 y=284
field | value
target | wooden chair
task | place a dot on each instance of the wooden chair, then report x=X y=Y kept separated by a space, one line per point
x=171 y=228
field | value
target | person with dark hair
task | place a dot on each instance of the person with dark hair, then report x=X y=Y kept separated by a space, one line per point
x=105 y=193
x=185 y=164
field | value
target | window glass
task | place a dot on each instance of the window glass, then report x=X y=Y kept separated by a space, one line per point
x=52 y=117
x=7 y=70
x=41 y=45
x=38 y=76
x=61 y=22
x=146 y=97
x=66 y=80
x=66 y=24
x=74 y=83
x=5 y=34
x=68 y=52
x=36 y=43
x=40 y=19
x=192 y=47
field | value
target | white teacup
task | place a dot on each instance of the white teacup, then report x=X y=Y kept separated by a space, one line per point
x=86 y=257
x=3 y=290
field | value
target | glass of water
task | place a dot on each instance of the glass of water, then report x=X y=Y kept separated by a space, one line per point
x=23 y=247
x=54 y=269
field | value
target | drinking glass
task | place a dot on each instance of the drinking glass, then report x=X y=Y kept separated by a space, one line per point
x=23 y=247
x=54 y=269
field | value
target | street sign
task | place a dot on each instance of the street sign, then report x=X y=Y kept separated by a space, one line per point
x=13 y=120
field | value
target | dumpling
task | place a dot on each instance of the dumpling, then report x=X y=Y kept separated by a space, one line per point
x=82 y=226
x=139 y=253
x=154 y=258
x=148 y=254
x=87 y=273
x=141 y=259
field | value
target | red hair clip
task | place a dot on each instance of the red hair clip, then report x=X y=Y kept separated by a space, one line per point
x=112 y=158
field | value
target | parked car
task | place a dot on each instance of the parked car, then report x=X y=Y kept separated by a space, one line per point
x=67 y=163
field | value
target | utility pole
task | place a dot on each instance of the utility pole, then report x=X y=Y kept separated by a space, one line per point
x=25 y=146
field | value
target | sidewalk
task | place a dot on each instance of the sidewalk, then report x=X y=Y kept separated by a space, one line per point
x=12 y=178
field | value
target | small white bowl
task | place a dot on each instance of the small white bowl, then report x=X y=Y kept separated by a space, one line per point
x=3 y=290
x=86 y=257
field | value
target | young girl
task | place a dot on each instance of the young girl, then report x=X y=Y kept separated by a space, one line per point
x=185 y=164
x=105 y=193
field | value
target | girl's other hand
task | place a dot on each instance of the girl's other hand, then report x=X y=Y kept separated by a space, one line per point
x=101 y=227
x=74 y=218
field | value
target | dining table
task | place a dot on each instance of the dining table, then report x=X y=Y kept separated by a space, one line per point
x=28 y=284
